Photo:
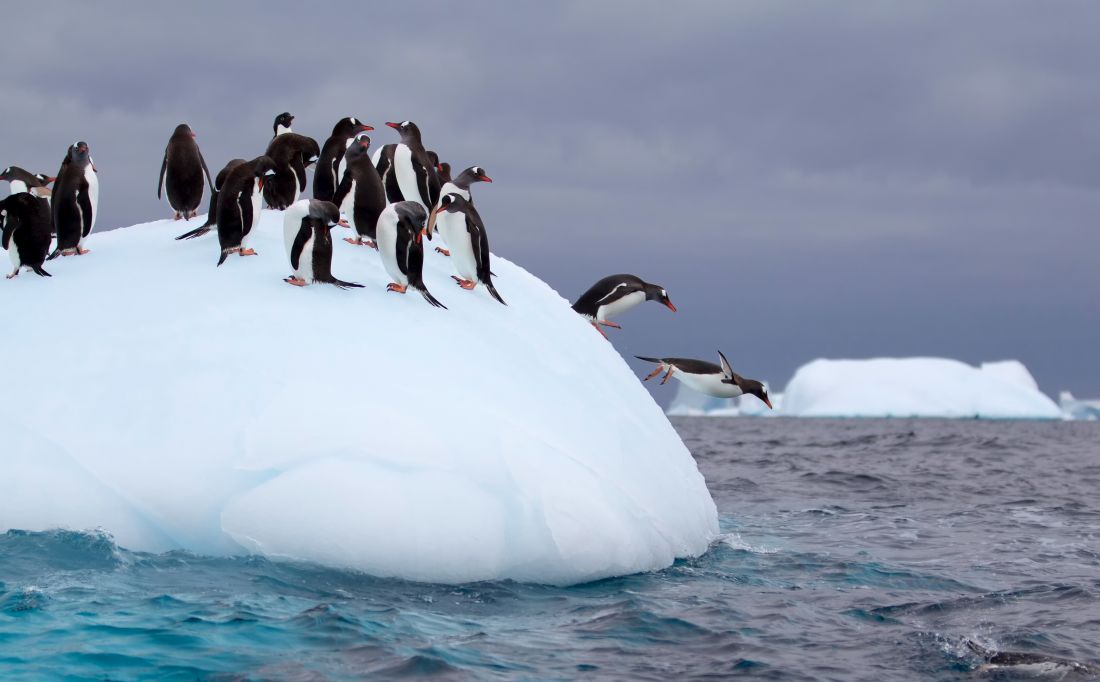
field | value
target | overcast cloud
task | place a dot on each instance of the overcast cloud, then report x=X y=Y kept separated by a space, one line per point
x=806 y=179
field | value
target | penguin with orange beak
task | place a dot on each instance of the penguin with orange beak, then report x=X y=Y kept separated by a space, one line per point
x=614 y=295
x=707 y=377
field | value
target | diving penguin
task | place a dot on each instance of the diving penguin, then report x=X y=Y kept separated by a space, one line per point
x=707 y=377
x=615 y=295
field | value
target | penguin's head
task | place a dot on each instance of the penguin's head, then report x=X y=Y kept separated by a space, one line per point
x=348 y=126
x=470 y=176
x=79 y=153
x=407 y=129
x=452 y=203
x=263 y=167
x=479 y=174
x=413 y=216
x=18 y=174
x=655 y=292
x=444 y=170
x=183 y=130
x=310 y=152
x=325 y=211
x=44 y=179
x=751 y=387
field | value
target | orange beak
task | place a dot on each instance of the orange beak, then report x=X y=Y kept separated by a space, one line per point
x=363 y=128
x=668 y=304
x=768 y=403
x=395 y=126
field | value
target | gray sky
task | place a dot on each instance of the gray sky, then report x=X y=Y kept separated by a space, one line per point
x=806 y=179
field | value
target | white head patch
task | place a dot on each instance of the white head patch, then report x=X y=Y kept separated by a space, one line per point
x=270 y=172
x=404 y=124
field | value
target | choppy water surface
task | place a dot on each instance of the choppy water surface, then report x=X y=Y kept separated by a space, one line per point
x=853 y=550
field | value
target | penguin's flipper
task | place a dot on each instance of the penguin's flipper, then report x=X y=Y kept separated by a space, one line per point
x=163 y=170
x=225 y=254
x=55 y=254
x=205 y=170
x=300 y=239
x=726 y=369
x=342 y=188
x=84 y=201
x=657 y=360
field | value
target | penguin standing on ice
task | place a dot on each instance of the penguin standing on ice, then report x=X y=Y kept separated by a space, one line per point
x=615 y=295
x=360 y=195
x=183 y=173
x=707 y=377
x=461 y=187
x=212 y=212
x=327 y=175
x=407 y=172
x=306 y=230
x=75 y=201
x=292 y=154
x=461 y=226
x=239 y=205
x=282 y=124
x=25 y=230
x=399 y=244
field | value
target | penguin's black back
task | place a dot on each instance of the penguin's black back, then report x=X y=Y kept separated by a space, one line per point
x=185 y=172
x=27 y=227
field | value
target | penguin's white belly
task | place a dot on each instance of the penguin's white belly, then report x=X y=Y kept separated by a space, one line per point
x=93 y=191
x=18 y=186
x=711 y=384
x=347 y=206
x=387 y=248
x=620 y=306
x=377 y=155
x=257 y=201
x=406 y=176
x=13 y=254
x=305 y=261
x=452 y=226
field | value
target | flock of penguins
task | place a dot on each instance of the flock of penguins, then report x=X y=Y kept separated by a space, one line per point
x=391 y=200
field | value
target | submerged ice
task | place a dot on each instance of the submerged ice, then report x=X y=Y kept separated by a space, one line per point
x=179 y=405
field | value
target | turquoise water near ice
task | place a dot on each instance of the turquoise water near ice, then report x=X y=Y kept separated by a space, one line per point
x=852 y=550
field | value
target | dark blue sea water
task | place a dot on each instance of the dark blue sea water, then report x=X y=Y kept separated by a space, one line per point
x=853 y=550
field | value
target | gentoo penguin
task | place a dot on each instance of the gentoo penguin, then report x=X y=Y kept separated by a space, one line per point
x=282 y=124
x=360 y=195
x=444 y=170
x=327 y=174
x=1029 y=664
x=239 y=205
x=464 y=231
x=406 y=171
x=75 y=201
x=461 y=187
x=306 y=226
x=183 y=173
x=25 y=230
x=212 y=213
x=615 y=295
x=707 y=377
x=398 y=234
x=292 y=154
x=21 y=180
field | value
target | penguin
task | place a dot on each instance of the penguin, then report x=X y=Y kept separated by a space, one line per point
x=463 y=229
x=614 y=295
x=212 y=212
x=327 y=175
x=239 y=205
x=444 y=171
x=182 y=173
x=292 y=154
x=282 y=124
x=406 y=171
x=25 y=231
x=461 y=187
x=306 y=230
x=75 y=201
x=707 y=377
x=399 y=244
x=21 y=180
x=1025 y=663
x=360 y=195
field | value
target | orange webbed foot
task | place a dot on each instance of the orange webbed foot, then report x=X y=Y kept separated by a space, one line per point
x=296 y=281
x=608 y=323
x=247 y=252
x=440 y=249
x=394 y=286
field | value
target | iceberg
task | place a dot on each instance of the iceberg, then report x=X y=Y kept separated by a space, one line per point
x=219 y=410
x=916 y=387
x=1072 y=408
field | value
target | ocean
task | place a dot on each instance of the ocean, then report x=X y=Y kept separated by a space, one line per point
x=850 y=550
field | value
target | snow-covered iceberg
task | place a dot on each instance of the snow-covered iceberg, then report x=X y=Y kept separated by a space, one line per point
x=1083 y=410
x=180 y=405
x=916 y=387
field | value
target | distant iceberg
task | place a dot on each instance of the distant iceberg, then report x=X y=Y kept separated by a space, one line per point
x=1084 y=410
x=220 y=410
x=690 y=403
x=916 y=387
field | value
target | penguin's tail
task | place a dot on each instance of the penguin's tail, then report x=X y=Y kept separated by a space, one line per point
x=55 y=254
x=197 y=232
x=339 y=283
x=493 y=291
x=429 y=298
x=224 y=255
x=657 y=360
x=37 y=269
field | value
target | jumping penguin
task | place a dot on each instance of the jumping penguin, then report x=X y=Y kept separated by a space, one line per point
x=462 y=228
x=327 y=175
x=306 y=230
x=25 y=231
x=212 y=213
x=707 y=377
x=615 y=295
x=239 y=205
x=75 y=201
x=182 y=173
x=399 y=243
x=360 y=195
